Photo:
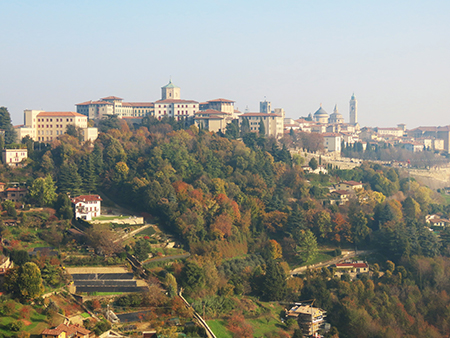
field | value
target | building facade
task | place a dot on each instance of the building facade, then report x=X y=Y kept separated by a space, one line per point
x=332 y=142
x=87 y=206
x=45 y=126
x=212 y=120
x=273 y=123
x=113 y=105
x=14 y=157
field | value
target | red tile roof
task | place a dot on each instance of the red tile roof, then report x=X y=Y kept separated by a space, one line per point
x=52 y=332
x=352 y=265
x=352 y=183
x=138 y=104
x=85 y=198
x=221 y=100
x=93 y=102
x=175 y=101
x=331 y=134
x=60 y=113
x=112 y=98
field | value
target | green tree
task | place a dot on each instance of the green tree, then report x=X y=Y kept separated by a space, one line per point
x=192 y=277
x=10 y=208
x=313 y=164
x=69 y=180
x=307 y=246
x=245 y=127
x=43 y=191
x=360 y=230
x=63 y=207
x=88 y=175
x=142 y=249
x=232 y=130
x=6 y=125
x=171 y=285
x=29 y=282
x=262 y=128
x=274 y=282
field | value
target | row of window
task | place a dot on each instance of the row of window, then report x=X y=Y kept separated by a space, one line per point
x=57 y=120
x=49 y=132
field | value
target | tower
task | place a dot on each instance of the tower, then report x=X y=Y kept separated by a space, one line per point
x=170 y=91
x=265 y=107
x=353 y=110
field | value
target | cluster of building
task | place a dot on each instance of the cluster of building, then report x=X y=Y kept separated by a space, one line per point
x=214 y=115
x=67 y=331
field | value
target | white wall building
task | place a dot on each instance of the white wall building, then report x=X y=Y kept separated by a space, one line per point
x=332 y=142
x=14 y=157
x=87 y=206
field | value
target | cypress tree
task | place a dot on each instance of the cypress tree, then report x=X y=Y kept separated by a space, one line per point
x=262 y=127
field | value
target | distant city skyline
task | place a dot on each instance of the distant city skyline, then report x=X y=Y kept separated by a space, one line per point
x=296 y=54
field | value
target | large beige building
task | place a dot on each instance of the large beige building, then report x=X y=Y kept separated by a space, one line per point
x=172 y=106
x=113 y=105
x=273 y=123
x=212 y=120
x=45 y=126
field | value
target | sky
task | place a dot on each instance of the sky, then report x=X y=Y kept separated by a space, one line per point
x=394 y=55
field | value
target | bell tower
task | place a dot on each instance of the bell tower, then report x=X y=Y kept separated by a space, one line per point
x=170 y=91
x=353 y=110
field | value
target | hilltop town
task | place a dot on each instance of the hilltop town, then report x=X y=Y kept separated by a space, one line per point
x=180 y=218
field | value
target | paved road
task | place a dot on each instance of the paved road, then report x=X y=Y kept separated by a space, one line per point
x=132 y=233
x=345 y=255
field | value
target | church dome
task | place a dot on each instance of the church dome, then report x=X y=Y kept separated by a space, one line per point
x=336 y=117
x=321 y=113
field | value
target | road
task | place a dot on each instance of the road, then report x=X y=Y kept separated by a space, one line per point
x=345 y=255
x=132 y=233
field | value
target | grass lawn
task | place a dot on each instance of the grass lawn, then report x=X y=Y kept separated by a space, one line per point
x=446 y=198
x=85 y=315
x=218 y=327
x=264 y=324
x=146 y=232
x=38 y=322
x=322 y=256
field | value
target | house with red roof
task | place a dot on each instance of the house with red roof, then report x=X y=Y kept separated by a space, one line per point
x=66 y=331
x=353 y=267
x=87 y=206
x=346 y=185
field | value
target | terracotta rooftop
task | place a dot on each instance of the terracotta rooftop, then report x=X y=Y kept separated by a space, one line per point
x=138 y=104
x=111 y=98
x=175 y=101
x=93 y=102
x=221 y=100
x=85 y=198
x=352 y=265
x=60 y=113
x=352 y=183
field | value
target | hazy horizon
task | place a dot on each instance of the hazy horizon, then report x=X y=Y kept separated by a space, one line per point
x=296 y=54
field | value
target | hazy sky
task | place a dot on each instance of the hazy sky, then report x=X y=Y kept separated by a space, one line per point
x=394 y=55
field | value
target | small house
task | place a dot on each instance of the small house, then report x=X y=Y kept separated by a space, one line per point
x=87 y=206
